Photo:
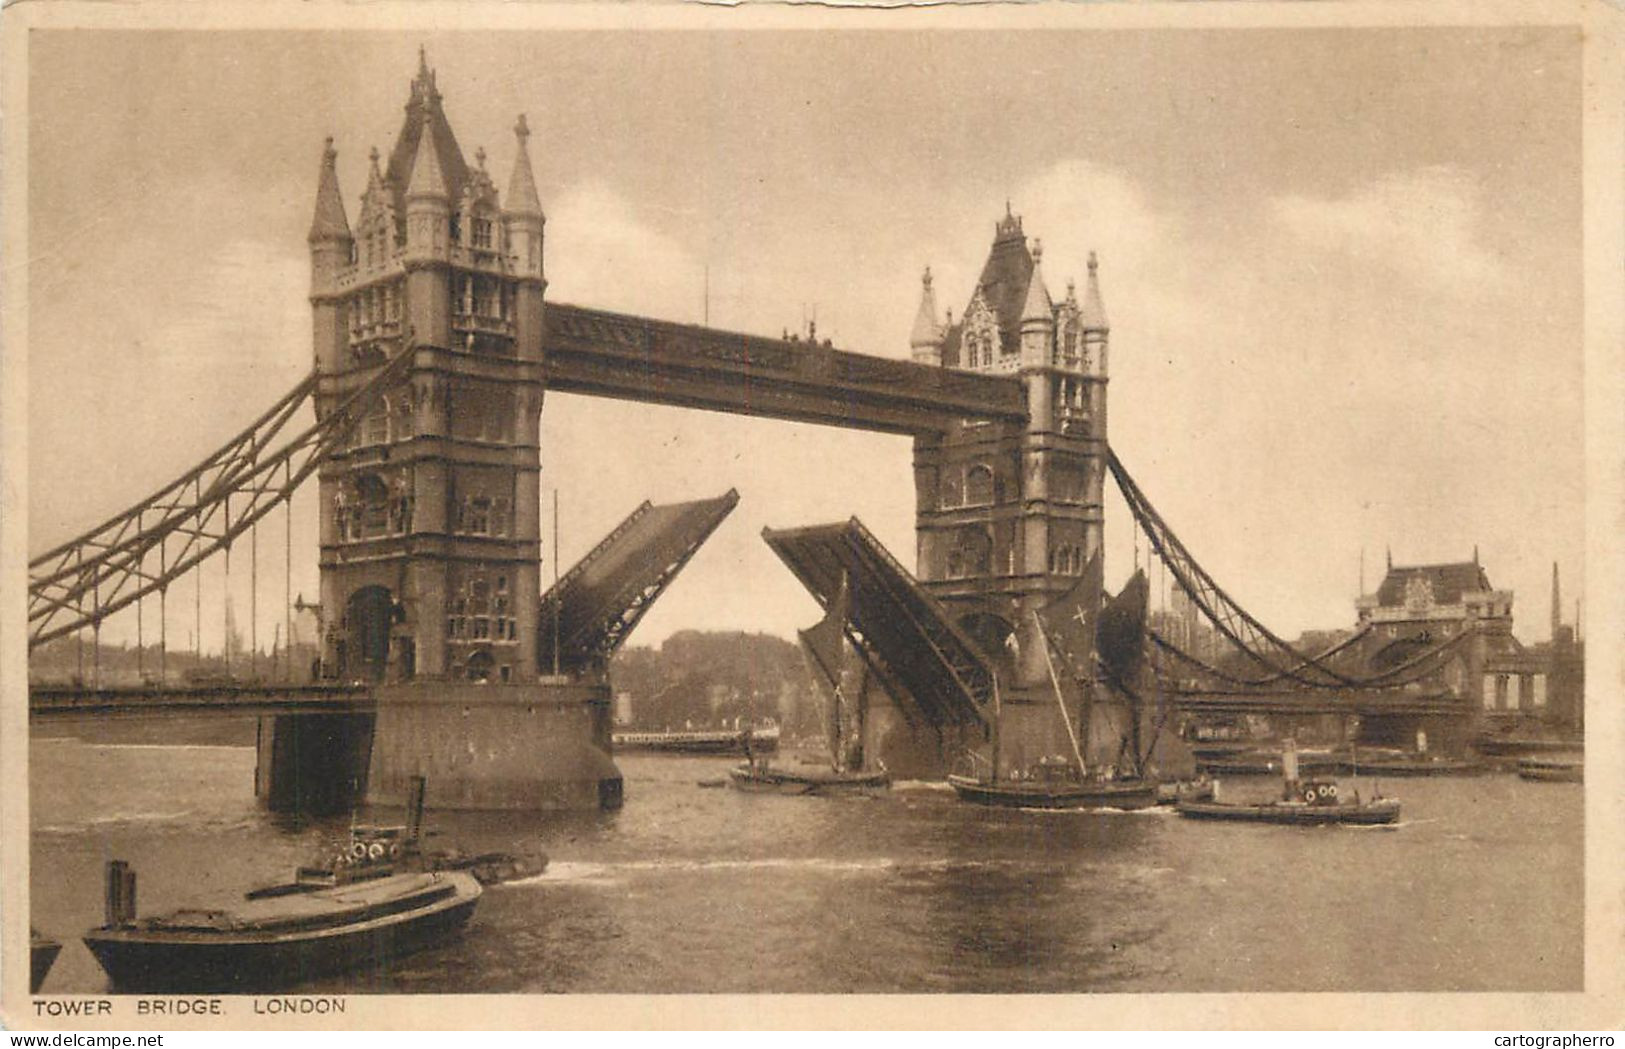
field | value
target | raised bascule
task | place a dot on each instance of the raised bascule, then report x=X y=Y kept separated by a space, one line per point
x=440 y=654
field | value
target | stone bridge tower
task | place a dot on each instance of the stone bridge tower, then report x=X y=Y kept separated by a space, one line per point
x=430 y=531
x=1008 y=515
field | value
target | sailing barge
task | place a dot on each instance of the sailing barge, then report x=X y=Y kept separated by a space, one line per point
x=848 y=772
x=1116 y=631
x=358 y=909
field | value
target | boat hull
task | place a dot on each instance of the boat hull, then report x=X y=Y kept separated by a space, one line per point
x=1369 y=813
x=1551 y=770
x=1025 y=795
x=41 y=956
x=695 y=742
x=246 y=962
x=798 y=782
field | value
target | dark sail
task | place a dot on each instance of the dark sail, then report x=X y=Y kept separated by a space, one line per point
x=1070 y=623
x=1120 y=633
x=823 y=644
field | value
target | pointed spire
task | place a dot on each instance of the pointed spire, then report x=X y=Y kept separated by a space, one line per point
x=522 y=198
x=1094 y=309
x=329 y=222
x=1038 y=305
x=1557 y=601
x=926 y=332
x=1390 y=559
x=426 y=181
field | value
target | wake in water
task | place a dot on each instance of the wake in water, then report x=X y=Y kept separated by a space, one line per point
x=568 y=871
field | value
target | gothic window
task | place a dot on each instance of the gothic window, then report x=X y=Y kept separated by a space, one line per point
x=979 y=485
x=953 y=491
x=367 y=509
x=476 y=517
x=1070 y=346
x=375 y=427
x=456 y=228
x=499 y=516
x=970 y=554
x=482 y=233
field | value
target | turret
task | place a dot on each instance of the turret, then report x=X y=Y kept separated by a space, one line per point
x=1037 y=317
x=428 y=242
x=1092 y=316
x=331 y=246
x=925 y=342
x=523 y=224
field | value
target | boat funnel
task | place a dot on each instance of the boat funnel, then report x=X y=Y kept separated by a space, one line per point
x=414 y=807
x=120 y=893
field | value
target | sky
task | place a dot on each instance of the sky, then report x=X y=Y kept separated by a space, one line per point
x=1343 y=270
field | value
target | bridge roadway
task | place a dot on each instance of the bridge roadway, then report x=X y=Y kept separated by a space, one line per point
x=46 y=701
x=606 y=354
x=1363 y=702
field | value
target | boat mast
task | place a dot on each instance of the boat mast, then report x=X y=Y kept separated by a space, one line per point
x=1060 y=700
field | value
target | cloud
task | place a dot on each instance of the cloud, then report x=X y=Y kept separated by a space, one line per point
x=602 y=252
x=1426 y=223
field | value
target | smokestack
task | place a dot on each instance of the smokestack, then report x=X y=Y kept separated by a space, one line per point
x=1557 y=601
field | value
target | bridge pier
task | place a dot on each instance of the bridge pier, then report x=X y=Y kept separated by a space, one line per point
x=532 y=746
x=536 y=746
x=314 y=764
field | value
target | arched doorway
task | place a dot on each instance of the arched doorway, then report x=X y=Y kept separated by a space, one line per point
x=366 y=624
x=480 y=665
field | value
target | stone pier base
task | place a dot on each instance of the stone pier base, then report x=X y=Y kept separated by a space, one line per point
x=529 y=747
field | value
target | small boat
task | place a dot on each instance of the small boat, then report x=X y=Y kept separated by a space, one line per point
x=1555 y=768
x=1326 y=808
x=1056 y=785
x=846 y=771
x=763 y=739
x=763 y=778
x=372 y=901
x=1408 y=764
x=42 y=952
x=1171 y=791
x=1303 y=802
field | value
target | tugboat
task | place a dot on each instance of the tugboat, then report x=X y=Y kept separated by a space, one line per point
x=848 y=773
x=358 y=908
x=1306 y=802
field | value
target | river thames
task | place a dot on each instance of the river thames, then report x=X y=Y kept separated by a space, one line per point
x=1479 y=888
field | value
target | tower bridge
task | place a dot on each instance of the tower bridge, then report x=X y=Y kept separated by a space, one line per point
x=440 y=654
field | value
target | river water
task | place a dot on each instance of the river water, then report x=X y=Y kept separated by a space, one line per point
x=696 y=890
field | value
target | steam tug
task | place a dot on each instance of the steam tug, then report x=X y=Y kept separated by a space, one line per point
x=1304 y=801
x=356 y=909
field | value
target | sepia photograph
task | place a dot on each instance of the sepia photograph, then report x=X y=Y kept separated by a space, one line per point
x=776 y=502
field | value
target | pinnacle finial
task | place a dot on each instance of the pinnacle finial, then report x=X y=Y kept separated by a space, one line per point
x=329 y=154
x=926 y=278
x=1038 y=251
x=479 y=157
x=1094 y=263
x=372 y=155
x=423 y=61
x=521 y=130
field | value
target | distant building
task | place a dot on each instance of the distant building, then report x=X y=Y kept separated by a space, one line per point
x=1417 y=607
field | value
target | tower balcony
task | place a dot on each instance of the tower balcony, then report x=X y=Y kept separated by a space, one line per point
x=477 y=323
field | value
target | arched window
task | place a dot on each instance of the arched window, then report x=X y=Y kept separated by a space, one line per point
x=953 y=491
x=979 y=485
x=971 y=553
